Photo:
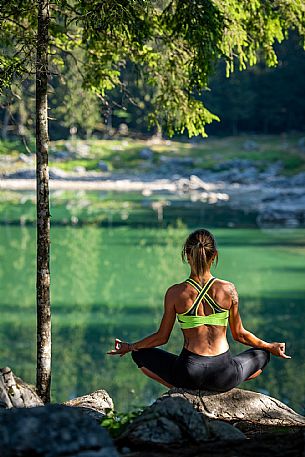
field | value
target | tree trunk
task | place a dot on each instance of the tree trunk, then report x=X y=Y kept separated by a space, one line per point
x=43 y=375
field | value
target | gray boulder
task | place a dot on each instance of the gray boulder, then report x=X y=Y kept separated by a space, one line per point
x=57 y=173
x=52 y=431
x=175 y=421
x=221 y=430
x=146 y=154
x=103 y=166
x=94 y=404
x=298 y=180
x=250 y=145
x=15 y=393
x=27 y=158
x=169 y=421
x=240 y=164
x=301 y=144
x=28 y=173
x=238 y=405
x=60 y=155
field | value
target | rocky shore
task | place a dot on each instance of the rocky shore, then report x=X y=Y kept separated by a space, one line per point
x=179 y=423
x=277 y=200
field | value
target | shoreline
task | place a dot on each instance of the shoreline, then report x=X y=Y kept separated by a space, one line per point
x=122 y=185
x=277 y=200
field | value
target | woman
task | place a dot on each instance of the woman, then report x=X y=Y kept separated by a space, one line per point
x=203 y=305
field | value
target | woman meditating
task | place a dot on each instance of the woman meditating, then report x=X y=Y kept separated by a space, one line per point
x=203 y=306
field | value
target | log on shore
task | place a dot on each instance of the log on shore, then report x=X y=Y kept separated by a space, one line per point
x=15 y=393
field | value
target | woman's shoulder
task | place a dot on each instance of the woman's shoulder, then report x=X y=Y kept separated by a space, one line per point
x=177 y=288
x=175 y=293
x=225 y=288
x=223 y=282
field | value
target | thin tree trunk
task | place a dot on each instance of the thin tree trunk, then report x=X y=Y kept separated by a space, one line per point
x=43 y=378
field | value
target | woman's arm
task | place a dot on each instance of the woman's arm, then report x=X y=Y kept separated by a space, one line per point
x=161 y=336
x=242 y=335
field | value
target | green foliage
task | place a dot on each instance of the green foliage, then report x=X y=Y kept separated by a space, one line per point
x=200 y=24
x=11 y=147
x=73 y=105
x=17 y=40
x=115 y=422
x=10 y=68
x=173 y=45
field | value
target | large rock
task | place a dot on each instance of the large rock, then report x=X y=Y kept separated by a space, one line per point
x=173 y=420
x=95 y=404
x=28 y=173
x=238 y=405
x=250 y=145
x=301 y=144
x=15 y=393
x=192 y=423
x=146 y=154
x=52 y=431
x=223 y=431
x=103 y=166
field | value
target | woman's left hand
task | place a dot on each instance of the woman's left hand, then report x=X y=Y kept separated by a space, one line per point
x=278 y=349
x=123 y=349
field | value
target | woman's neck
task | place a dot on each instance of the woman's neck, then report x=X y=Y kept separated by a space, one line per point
x=201 y=279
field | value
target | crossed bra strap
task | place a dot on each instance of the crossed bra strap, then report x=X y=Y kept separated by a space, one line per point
x=203 y=294
x=190 y=318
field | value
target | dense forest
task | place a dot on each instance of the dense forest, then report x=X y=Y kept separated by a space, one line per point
x=258 y=100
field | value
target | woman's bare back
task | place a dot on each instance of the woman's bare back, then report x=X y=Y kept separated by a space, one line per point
x=205 y=340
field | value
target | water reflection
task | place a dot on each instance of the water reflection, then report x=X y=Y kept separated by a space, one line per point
x=110 y=282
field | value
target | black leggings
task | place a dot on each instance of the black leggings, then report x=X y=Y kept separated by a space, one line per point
x=193 y=371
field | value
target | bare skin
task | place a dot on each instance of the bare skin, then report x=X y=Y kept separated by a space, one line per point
x=207 y=340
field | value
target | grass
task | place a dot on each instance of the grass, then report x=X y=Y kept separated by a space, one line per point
x=123 y=155
x=15 y=147
x=70 y=165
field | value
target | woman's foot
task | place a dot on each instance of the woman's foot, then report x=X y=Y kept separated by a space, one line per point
x=152 y=375
x=254 y=375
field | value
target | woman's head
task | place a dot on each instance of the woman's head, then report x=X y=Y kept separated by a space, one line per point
x=200 y=250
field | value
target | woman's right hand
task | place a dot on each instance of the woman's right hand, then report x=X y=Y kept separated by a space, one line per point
x=120 y=349
x=278 y=349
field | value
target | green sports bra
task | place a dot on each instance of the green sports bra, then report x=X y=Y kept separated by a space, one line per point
x=190 y=319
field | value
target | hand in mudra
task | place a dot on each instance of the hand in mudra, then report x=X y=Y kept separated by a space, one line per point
x=278 y=349
x=121 y=348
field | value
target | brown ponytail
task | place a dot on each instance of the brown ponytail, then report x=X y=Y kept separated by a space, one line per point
x=199 y=249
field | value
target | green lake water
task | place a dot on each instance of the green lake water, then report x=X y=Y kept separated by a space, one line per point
x=109 y=281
